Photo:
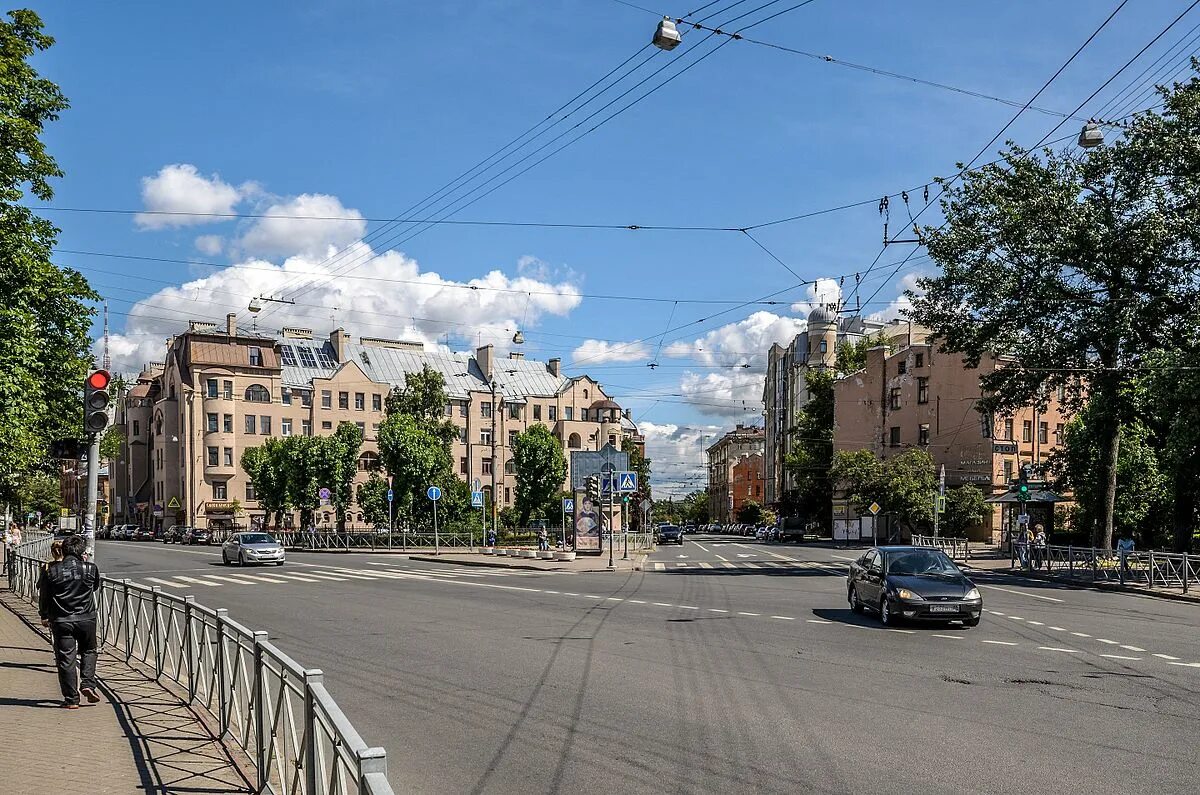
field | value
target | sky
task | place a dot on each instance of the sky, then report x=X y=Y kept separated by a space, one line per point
x=350 y=114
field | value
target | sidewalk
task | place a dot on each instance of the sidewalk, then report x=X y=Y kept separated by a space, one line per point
x=140 y=737
x=582 y=563
x=1003 y=565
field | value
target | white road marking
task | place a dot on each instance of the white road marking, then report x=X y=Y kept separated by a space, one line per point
x=817 y=621
x=632 y=601
x=549 y=591
x=717 y=610
x=568 y=593
x=232 y=579
x=614 y=599
x=168 y=583
x=1000 y=642
x=1035 y=623
x=659 y=567
x=729 y=565
x=590 y=596
x=1019 y=593
x=324 y=576
x=196 y=579
x=1056 y=648
x=744 y=613
x=996 y=612
x=1016 y=618
x=687 y=607
x=903 y=631
x=1081 y=634
x=1056 y=629
x=681 y=556
x=660 y=604
x=1165 y=657
x=1119 y=657
x=744 y=555
x=300 y=577
x=1109 y=642
x=704 y=565
x=949 y=637
x=1186 y=665
x=784 y=618
x=681 y=565
x=719 y=557
x=1131 y=648
x=842 y=557
x=263 y=578
x=700 y=545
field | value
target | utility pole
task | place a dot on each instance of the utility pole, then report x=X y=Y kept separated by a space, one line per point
x=495 y=495
x=95 y=421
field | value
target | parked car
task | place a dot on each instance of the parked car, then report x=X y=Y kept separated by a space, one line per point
x=122 y=532
x=912 y=583
x=174 y=534
x=138 y=533
x=669 y=534
x=195 y=535
x=246 y=548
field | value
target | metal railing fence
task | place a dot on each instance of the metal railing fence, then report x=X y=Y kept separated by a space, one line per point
x=363 y=539
x=262 y=701
x=956 y=548
x=1169 y=570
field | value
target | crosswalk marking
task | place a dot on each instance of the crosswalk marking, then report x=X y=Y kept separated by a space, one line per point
x=196 y=580
x=168 y=583
x=704 y=565
x=753 y=565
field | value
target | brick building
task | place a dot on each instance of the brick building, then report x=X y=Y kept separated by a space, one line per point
x=746 y=483
x=723 y=454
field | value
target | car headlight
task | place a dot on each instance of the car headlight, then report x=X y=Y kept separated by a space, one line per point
x=909 y=596
x=972 y=595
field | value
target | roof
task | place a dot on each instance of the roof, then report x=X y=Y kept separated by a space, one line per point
x=605 y=404
x=139 y=391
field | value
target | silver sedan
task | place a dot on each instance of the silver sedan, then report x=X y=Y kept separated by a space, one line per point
x=246 y=548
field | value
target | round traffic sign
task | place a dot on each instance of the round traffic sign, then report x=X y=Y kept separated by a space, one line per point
x=325 y=493
x=433 y=493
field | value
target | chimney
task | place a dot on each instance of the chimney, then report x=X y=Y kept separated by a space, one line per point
x=484 y=356
x=554 y=366
x=231 y=324
x=628 y=414
x=516 y=355
x=339 y=339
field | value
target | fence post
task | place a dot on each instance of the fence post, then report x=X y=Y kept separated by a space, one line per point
x=1093 y=564
x=188 y=642
x=1071 y=559
x=1185 y=572
x=1121 y=563
x=222 y=675
x=370 y=760
x=1151 y=572
x=125 y=618
x=154 y=630
x=258 y=696
x=312 y=676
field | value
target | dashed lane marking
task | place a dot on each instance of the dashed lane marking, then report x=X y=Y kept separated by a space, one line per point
x=1019 y=593
x=661 y=604
x=1056 y=629
x=904 y=631
x=1165 y=657
x=784 y=618
x=1119 y=657
x=1035 y=623
x=1081 y=634
x=700 y=545
x=1186 y=664
x=1132 y=648
x=744 y=613
x=687 y=607
x=719 y=557
x=949 y=637
x=817 y=621
x=1000 y=642
x=717 y=610
x=1109 y=642
x=1058 y=648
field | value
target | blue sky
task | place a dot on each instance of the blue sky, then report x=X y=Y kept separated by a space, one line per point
x=360 y=110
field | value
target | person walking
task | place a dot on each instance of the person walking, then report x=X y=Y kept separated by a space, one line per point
x=543 y=540
x=1023 y=544
x=67 y=606
x=1039 y=547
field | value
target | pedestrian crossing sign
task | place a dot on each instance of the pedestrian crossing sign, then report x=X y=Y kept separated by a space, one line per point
x=174 y=503
x=627 y=482
x=477 y=499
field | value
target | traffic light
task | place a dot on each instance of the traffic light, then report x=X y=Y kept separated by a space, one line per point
x=95 y=401
x=1023 y=484
x=593 y=488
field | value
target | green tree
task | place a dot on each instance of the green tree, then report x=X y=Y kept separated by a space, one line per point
x=112 y=442
x=541 y=469
x=903 y=484
x=1167 y=394
x=695 y=508
x=38 y=491
x=812 y=450
x=266 y=467
x=335 y=462
x=415 y=456
x=750 y=513
x=44 y=322
x=424 y=397
x=372 y=499
x=1074 y=266
x=852 y=356
x=966 y=507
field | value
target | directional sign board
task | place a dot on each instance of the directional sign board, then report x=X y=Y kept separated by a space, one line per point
x=874 y=508
x=626 y=482
x=433 y=493
x=391 y=495
x=606 y=484
x=568 y=505
x=477 y=499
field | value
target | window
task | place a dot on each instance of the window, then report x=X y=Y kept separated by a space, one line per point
x=212 y=423
x=326 y=425
x=487 y=466
x=264 y=425
x=212 y=387
x=574 y=442
x=306 y=427
x=485 y=436
x=537 y=412
x=510 y=467
x=894 y=397
x=568 y=413
x=362 y=427
x=251 y=423
x=552 y=413
x=512 y=437
x=213 y=453
x=922 y=390
x=227 y=423
x=360 y=401
x=902 y=367
x=285 y=396
x=463 y=408
x=285 y=427
x=323 y=358
x=923 y=434
x=368 y=461
x=507 y=495
x=485 y=409
x=306 y=356
x=823 y=347
x=462 y=435
x=585 y=394
x=1043 y=432
x=462 y=466
x=583 y=415
x=256 y=393
x=306 y=398
x=1058 y=433
x=1008 y=429
x=256 y=357
x=920 y=362
x=287 y=355
x=227 y=389
x=228 y=456
x=137 y=428
x=220 y=490
x=612 y=440
x=894 y=436
x=514 y=411
x=449 y=408
x=377 y=402
x=1027 y=431
x=250 y=495
x=343 y=400
x=1062 y=392
x=1008 y=470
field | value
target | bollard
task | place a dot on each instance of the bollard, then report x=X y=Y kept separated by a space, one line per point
x=222 y=675
x=312 y=676
x=257 y=696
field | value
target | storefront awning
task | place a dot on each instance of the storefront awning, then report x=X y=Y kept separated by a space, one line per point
x=1035 y=495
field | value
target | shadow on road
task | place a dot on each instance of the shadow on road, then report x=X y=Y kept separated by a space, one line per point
x=870 y=621
x=789 y=571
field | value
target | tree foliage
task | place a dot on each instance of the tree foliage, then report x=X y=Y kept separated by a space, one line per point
x=541 y=469
x=750 y=513
x=372 y=500
x=1076 y=266
x=903 y=484
x=812 y=450
x=966 y=507
x=288 y=473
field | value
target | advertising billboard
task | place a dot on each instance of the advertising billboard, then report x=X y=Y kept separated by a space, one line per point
x=586 y=523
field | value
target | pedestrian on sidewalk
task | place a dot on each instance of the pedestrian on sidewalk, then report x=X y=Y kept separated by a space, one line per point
x=1124 y=547
x=1023 y=544
x=1039 y=547
x=67 y=606
x=543 y=540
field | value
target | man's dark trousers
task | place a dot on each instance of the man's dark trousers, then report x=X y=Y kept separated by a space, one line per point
x=74 y=649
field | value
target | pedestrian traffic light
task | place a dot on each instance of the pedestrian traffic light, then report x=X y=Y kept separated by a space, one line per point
x=95 y=401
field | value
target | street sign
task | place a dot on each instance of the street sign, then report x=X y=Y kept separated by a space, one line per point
x=391 y=495
x=626 y=482
x=874 y=508
x=433 y=493
x=606 y=484
x=477 y=499
x=63 y=512
x=1004 y=448
x=324 y=493
x=941 y=504
x=568 y=504
x=174 y=503
x=476 y=485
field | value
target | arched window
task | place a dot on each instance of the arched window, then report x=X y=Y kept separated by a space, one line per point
x=256 y=393
x=368 y=462
x=573 y=441
x=585 y=394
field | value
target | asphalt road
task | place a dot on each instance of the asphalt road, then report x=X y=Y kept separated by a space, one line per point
x=735 y=667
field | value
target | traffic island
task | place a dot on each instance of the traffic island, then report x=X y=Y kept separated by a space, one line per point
x=558 y=561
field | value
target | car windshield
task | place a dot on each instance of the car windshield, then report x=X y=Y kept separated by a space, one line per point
x=670 y=528
x=256 y=538
x=920 y=561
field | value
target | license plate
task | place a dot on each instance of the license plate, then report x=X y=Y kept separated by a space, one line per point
x=943 y=608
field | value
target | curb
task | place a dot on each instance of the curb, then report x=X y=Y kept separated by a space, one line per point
x=486 y=565
x=1097 y=586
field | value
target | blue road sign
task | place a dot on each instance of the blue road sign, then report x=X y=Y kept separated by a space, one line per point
x=324 y=493
x=568 y=505
x=606 y=484
x=626 y=482
x=433 y=493
x=391 y=495
x=477 y=499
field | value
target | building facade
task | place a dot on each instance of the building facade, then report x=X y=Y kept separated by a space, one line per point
x=221 y=391
x=723 y=455
x=747 y=482
x=919 y=397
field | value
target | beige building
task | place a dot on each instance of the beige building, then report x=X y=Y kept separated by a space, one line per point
x=221 y=391
x=918 y=397
x=723 y=455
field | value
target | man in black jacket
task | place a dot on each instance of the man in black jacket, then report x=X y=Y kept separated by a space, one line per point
x=67 y=605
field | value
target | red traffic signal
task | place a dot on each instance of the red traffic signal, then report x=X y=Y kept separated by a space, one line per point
x=99 y=379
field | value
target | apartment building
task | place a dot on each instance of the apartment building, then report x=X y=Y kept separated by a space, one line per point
x=746 y=483
x=723 y=455
x=221 y=391
x=919 y=397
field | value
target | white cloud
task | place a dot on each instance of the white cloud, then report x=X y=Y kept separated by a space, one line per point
x=284 y=234
x=597 y=351
x=732 y=393
x=744 y=342
x=181 y=188
x=823 y=291
x=415 y=305
x=210 y=245
x=676 y=453
x=898 y=306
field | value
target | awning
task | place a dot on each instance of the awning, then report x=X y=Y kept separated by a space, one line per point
x=1035 y=495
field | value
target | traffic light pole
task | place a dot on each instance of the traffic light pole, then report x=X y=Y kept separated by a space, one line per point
x=93 y=488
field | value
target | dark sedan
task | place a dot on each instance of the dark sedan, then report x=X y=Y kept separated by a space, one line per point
x=670 y=534
x=195 y=535
x=912 y=583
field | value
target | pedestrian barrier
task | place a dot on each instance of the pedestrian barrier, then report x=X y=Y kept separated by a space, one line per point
x=956 y=548
x=316 y=539
x=262 y=701
x=1168 y=570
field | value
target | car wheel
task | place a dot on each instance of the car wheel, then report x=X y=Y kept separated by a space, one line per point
x=971 y=622
x=885 y=612
x=241 y=559
x=855 y=605
x=224 y=558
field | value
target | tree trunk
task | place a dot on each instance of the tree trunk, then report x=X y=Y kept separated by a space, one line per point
x=1184 y=511
x=1103 y=533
